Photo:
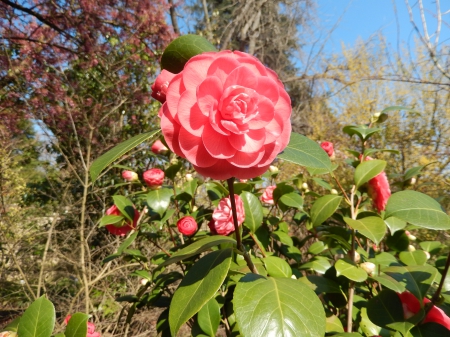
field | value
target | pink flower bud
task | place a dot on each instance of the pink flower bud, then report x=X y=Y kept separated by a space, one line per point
x=130 y=176
x=368 y=267
x=267 y=196
x=187 y=225
x=121 y=228
x=223 y=216
x=159 y=148
x=379 y=190
x=90 y=328
x=159 y=88
x=154 y=178
x=411 y=306
x=328 y=148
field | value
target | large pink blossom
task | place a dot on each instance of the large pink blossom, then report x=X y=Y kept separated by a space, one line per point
x=227 y=114
x=121 y=228
x=411 y=306
x=379 y=190
x=222 y=218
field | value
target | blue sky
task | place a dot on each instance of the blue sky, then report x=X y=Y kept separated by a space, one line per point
x=364 y=18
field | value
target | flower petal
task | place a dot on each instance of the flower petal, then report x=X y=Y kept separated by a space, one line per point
x=243 y=77
x=195 y=70
x=208 y=94
x=268 y=88
x=190 y=115
x=283 y=107
x=174 y=91
x=171 y=130
x=252 y=63
x=217 y=144
x=194 y=150
x=245 y=159
x=265 y=114
x=251 y=141
x=223 y=66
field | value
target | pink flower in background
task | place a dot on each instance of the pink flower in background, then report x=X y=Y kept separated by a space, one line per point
x=212 y=227
x=187 y=225
x=379 y=190
x=227 y=114
x=154 y=178
x=223 y=216
x=130 y=176
x=267 y=196
x=90 y=328
x=411 y=306
x=329 y=149
x=159 y=88
x=159 y=148
x=120 y=228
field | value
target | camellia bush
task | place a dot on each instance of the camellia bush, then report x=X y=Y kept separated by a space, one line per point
x=238 y=249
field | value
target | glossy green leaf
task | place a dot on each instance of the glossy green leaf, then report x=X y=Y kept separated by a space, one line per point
x=430 y=330
x=366 y=325
x=362 y=131
x=347 y=334
x=208 y=317
x=417 y=209
x=159 y=200
x=350 y=271
x=127 y=242
x=253 y=211
x=416 y=258
x=398 y=242
x=118 y=151
x=182 y=49
x=368 y=170
x=125 y=206
x=77 y=326
x=317 y=248
x=197 y=247
x=389 y=282
x=292 y=199
x=334 y=324
x=322 y=284
x=402 y=327
x=397 y=108
x=413 y=171
x=432 y=247
x=323 y=208
x=38 y=320
x=283 y=237
x=305 y=152
x=416 y=279
x=319 y=264
x=322 y=183
x=394 y=224
x=280 y=307
x=368 y=152
x=277 y=267
x=385 y=308
x=110 y=220
x=384 y=259
x=372 y=227
x=199 y=285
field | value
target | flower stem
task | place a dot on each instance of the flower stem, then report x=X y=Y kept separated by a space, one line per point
x=239 y=244
x=436 y=295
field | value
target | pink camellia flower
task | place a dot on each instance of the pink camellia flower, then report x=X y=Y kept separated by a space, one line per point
x=223 y=215
x=130 y=176
x=187 y=225
x=159 y=148
x=267 y=196
x=120 y=228
x=212 y=227
x=411 y=306
x=379 y=190
x=159 y=88
x=227 y=114
x=329 y=149
x=90 y=327
x=154 y=178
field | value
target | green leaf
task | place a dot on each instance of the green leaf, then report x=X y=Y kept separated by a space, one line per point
x=371 y=227
x=432 y=247
x=319 y=264
x=323 y=208
x=397 y=108
x=322 y=183
x=159 y=200
x=197 y=247
x=334 y=324
x=430 y=329
x=253 y=211
x=417 y=209
x=366 y=325
x=305 y=152
x=368 y=152
x=403 y=327
x=277 y=267
x=394 y=224
x=110 y=220
x=182 y=49
x=198 y=287
x=277 y=307
x=323 y=285
x=384 y=259
x=127 y=242
x=398 y=242
x=416 y=258
x=77 y=326
x=125 y=206
x=38 y=320
x=208 y=317
x=385 y=308
x=292 y=199
x=13 y=326
x=317 y=248
x=350 y=271
x=368 y=170
x=362 y=131
x=389 y=282
x=416 y=279
x=413 y=171
x=118 y=151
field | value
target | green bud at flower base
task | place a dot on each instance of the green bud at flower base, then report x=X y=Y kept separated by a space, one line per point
x=273 y=169
x=411 y=248
x=333 y=191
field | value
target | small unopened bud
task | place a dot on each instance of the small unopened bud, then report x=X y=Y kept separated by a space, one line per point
x=293 y=277
x=357 y=256
x=377 y=114
x=427 y=254
x=305 y=186
x=174 y=161
x=307 y=191
x=243 y=180
x=333 y=191
x=144 y=281
x=189 y=177
x=194 y=209
x=412 y=181
x=411 y=248
x=273 y=169
x=369 y=267
x=22 y=282
x=130 y=176
x=410 y=236
x=375 y=248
